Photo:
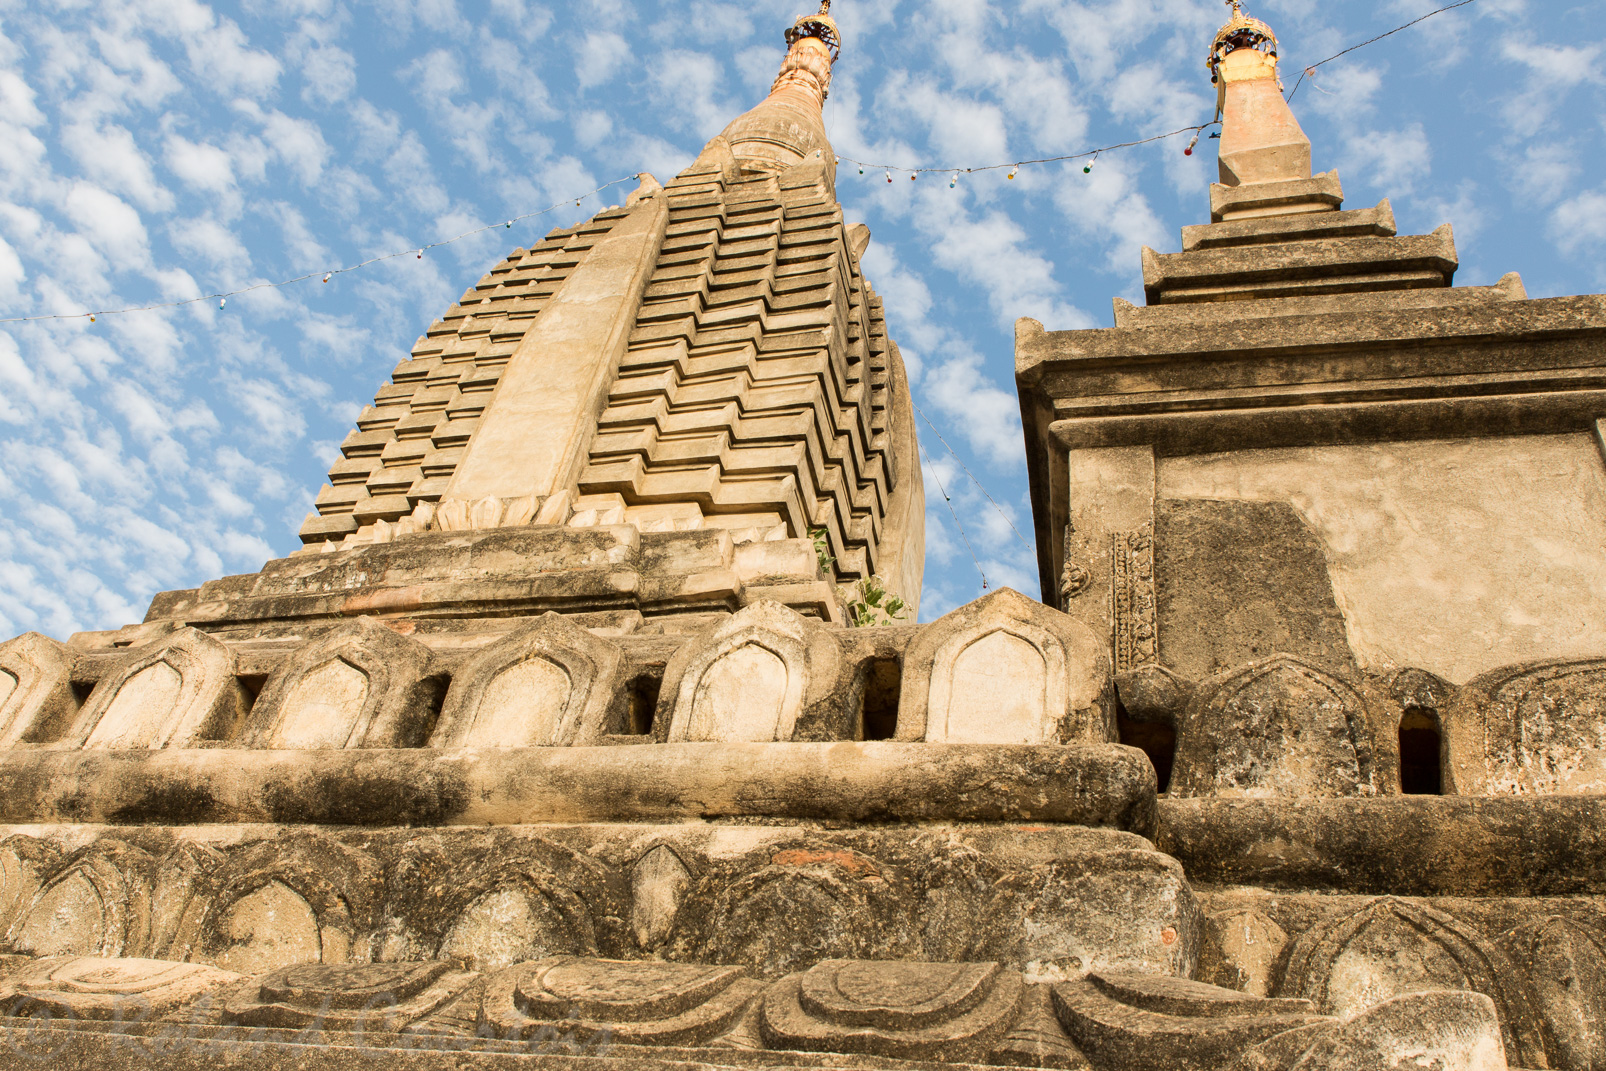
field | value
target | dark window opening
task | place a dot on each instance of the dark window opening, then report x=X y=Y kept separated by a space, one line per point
x=221 y=730
x=1155 y=740
x=883 y=682
x=252 y=683
x=1421 y=744
x=643 y=696
x=439 y=686
x=49 y=730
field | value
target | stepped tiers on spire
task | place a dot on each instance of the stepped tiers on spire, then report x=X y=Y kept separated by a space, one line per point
x=551 y=747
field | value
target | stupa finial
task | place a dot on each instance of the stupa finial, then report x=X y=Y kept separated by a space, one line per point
x=1240 y=31
x=1261 y=141
x=788 y=128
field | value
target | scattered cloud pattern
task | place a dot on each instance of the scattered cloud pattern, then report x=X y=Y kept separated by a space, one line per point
x=160 y=149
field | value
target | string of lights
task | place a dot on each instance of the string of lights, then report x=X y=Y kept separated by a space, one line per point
x=955 y=513
x=1310 y=72
x=327 y=275
x=953 y=173
x=960 y=462
x=1091 y=155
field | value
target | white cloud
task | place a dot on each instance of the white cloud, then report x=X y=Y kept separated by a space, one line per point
x=110 y=157
x=198 y=165
x=109 y=224
x=599 y=57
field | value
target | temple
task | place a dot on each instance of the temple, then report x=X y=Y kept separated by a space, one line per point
x=562 y=743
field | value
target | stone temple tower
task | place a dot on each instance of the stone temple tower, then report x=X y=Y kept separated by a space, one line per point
x=551 y=749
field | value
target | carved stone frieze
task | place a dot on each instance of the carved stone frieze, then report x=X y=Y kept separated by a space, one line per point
x=363 y=997
x=1531 y=728
x=636 y=1003
x=550 y=684
x=175 y=693
x=1006 y=669
x=362 y=685
x=36 y=695
x=947 y=1011
x=1134 y=612
x=766 y=673
x=1390 y=947
x=1275 y=728
x=1139 y=1020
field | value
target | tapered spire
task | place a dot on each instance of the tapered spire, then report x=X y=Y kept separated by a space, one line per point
x=787 y=128
x=1261 y=141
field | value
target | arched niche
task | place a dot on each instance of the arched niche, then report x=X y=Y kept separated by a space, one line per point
x=514 y=923
x=36 y=697
x=1567 y=965
x=294 y=899
x=175 y=693
x=360 y=686
x=1006 y=669
x=765 y=674
x=505 y=900
x=1275 y=728
x=1534 y=728
x=25 y=864
x=1389 y=948
x=97 y=904
x=549 y=684
x=270 y=927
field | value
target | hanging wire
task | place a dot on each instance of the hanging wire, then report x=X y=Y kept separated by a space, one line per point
x=960 y=524
x=325 y=273
x=1023 y=541
x=1016 y=165
x=1310 y=72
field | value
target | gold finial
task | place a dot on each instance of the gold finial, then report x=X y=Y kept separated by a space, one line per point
x=821 y=26
x=1241 y=31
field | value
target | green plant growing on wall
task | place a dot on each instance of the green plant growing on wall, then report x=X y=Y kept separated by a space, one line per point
x=867 y=603
x=822 y=549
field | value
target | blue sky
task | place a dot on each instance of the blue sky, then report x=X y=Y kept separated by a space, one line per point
x=155 y=149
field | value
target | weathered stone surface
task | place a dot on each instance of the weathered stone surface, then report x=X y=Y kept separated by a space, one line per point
x=1357 y=223
x=1132 y=1021
x=1320 y=193
x=551 y=684
x=1095 y=785
x=1242 y=950
x=765 y=674
x=365 y=998
x=36 y=696
x=1301 y=268
x=1448 y=1031
x=1417 y=535
x=361 y=686
x=1238 y=582
x=1534 y=728
x=949 y=1011
x=1415 y=845
x=302 y=898
x=1280 y=727
x=1006 y=670
x=633 y=1003
x=1390 y=947
x=98 y=988
x=1568 y=968
x=174 y=694
x=97 y=903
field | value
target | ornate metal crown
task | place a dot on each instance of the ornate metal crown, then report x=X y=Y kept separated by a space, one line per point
x=1241 y=31
x=821 y=26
